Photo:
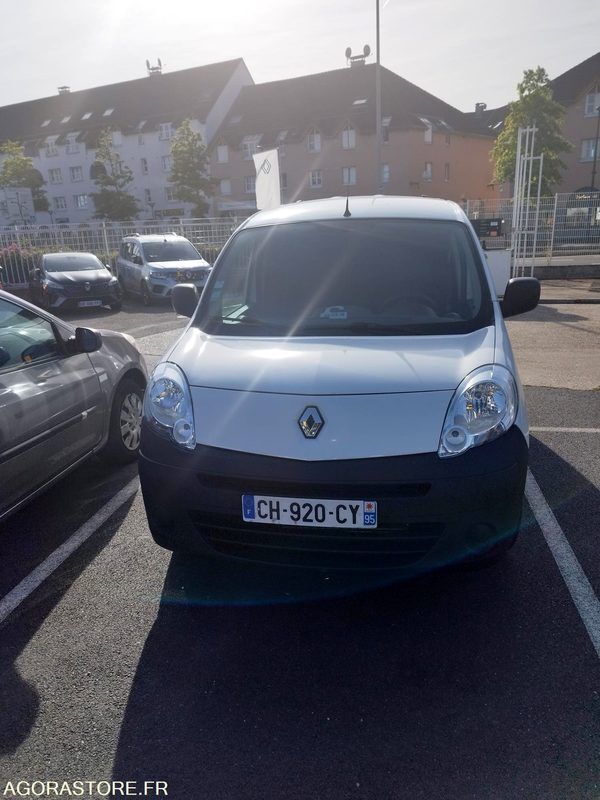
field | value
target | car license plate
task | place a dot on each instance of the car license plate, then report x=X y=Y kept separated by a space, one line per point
x=307 y=512
x=83 y=303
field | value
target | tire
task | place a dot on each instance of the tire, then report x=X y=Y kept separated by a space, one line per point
x=146 y=295
x=125 y=423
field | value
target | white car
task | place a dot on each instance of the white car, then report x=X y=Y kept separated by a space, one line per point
x=345 y=395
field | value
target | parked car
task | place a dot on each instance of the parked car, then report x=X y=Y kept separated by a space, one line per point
x=150 y=266
x=65 y=393
x=73 y=280
x=345 y=395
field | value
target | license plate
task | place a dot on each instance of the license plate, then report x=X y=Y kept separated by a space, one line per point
x=85 y=303
x=307 y=512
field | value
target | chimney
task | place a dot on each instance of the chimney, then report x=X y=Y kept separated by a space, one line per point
x=64 y=89
x=480 y=108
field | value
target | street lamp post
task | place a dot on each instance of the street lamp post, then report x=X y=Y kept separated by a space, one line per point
x=596 y=148
x=378 y=98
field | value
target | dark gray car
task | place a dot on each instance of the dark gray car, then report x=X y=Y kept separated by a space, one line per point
x=65 y=394
x=73 y=280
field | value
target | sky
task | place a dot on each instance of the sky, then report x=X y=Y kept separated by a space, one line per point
x=463 y=52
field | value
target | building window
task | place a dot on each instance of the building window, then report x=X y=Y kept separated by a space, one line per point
x=72 y=143
x=592 y=101
x=144 y=165
x=348 y=138
x=349 y=176
x=147 y=195
x=76 y=174
x=249 y=184
x=588 y=147
x=225 y=186
x=385 y=129
x=59 y=203
x=222 y=154
x=170 y=194
x=51 y=148
x=166 y=163
x=448 y=140
x=385 y=173
x=280 y=143
x=117 y=138
x=165 y=131
x=87 y=115
x=315 y=178
x=45 y=123
x=108 y=112
x=313 y=141
x=64 y=120
x=428 y=171
x=446 y=172
x=250 y=146
x=55 y=175
x=283 y=181
x=140 y=139
x=80 y=200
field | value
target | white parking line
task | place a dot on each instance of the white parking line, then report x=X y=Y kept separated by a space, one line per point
x=29 y=584
x=581 y=591
x=563 y=430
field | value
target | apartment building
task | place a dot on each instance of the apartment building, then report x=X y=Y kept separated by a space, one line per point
x=61 y=133
x=324 y=127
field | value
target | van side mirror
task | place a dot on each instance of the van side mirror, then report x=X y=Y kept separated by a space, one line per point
x=520 y=295
x=184 y=299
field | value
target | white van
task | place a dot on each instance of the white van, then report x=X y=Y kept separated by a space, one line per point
x=344 y=396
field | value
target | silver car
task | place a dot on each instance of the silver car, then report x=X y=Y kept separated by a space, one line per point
x=65 y=394
x=151 y=265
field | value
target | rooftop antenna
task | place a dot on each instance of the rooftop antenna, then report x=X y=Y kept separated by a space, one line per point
x=347 y=211
x=154 y=70
x=360 y=59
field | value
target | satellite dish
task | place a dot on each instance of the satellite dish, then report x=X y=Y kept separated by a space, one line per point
x=160 y=63
x=366 y=50
x=147 y=63
x=348 y=52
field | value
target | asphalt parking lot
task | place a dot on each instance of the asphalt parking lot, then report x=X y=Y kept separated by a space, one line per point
x=129 y=664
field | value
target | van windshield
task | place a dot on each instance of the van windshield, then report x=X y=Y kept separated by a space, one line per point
x=357 y=277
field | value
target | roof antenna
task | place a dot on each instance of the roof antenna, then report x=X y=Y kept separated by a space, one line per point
x=347 y=211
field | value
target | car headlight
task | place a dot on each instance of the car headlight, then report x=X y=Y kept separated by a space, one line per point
x=113 y=281
x=51 y=285
x=483 y=407
x=168 y=405
x=157 y=273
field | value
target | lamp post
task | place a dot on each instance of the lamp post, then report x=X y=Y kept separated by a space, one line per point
x=378 y=98
x=596 y=148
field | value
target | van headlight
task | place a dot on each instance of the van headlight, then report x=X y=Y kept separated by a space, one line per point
x=483 y=407
x=168 y=405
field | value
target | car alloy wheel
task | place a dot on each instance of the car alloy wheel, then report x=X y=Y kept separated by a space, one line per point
x=130 y=420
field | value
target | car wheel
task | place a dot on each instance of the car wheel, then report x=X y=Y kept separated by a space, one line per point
x=146 y=295
x=125 y=423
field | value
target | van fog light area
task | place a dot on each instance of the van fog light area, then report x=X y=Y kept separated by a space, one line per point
x=480 y=535
x=183 y=432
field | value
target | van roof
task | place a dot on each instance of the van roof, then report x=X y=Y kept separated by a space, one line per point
x=376 y=206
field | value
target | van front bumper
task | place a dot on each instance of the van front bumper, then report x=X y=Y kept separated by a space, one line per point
x=432 y=512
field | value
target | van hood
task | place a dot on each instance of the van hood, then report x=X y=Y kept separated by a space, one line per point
x=341 y=365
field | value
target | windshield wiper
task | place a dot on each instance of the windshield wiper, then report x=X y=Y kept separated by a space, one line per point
x=248 y=319
x=356 y=327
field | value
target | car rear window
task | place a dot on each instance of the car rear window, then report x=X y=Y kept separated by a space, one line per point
x=348 y=277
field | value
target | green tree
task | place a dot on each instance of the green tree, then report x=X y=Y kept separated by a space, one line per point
x=18 y=171
x=112 y=177
x=189 y=170
x=535 y=105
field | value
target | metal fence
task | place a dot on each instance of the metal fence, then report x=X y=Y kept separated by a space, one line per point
x=567 y=225
x=22 y=246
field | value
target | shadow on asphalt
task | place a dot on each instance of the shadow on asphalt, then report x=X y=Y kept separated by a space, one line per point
x=462 y=685
x=19 y=699
x=547 y=313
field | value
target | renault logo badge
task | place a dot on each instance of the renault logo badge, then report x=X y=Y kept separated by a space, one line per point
x=311 y=422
